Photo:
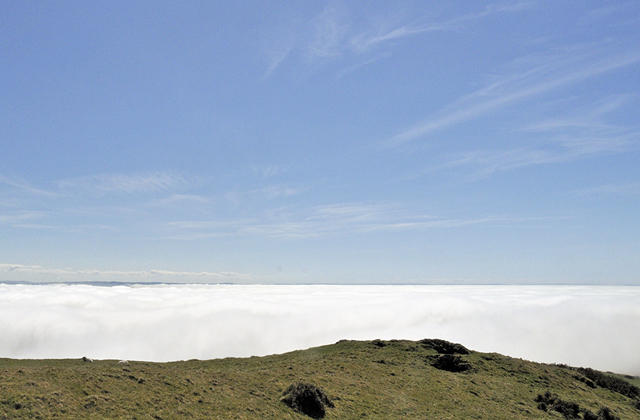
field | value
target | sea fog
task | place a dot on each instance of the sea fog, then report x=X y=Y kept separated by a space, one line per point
x=594 y=326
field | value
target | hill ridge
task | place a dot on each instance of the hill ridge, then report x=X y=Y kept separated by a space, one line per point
x=384 y=379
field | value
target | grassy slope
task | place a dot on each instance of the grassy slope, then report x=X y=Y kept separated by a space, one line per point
x=364 y=381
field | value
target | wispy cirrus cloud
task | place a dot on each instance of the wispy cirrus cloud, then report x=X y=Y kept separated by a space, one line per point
x=25 y=186
x=567 y=148
x=327 y=220
x=583 y=134
x=329 y=30
x=270 y=192
x=371 y=38
x=597 y=15
x=149 y=182
x=630 y=188
x=69 y=274
x=538 y=75
x=290 y=222
x=334 y=34
x=123 y=183
x=204 y=229
x=178 y=200
x=20 y=217
x=267 y=171
x=95 y=200
x=280 y=190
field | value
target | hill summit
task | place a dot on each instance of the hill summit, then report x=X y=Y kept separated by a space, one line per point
x=394 y=379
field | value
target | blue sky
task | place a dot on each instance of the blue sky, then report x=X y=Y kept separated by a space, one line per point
x=320 y=142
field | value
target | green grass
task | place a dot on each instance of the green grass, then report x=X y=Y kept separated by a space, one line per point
x=364 y=380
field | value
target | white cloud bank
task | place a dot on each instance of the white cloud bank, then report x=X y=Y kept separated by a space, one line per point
x=596 y=326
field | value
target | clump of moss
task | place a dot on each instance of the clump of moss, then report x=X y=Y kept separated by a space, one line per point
x=308 y=399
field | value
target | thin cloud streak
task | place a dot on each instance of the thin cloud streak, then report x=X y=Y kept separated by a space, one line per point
x=336 y=219
x=565 y=139
x=365 y=41
x=591 y=326
x=611 y=189
x=326 y=220
x=329 y=30
x=333 y=35
x=18 y=217
x=179 y=200
x=69 y=274
x=122 y=183
x=491 y=161
x=557 y=72
x=101 y=184
x=74 y=203
x=25 y=186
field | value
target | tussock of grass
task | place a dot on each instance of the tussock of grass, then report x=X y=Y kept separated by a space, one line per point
x=443 y=347
x=307 y=399
x=450 y=363
x=363 y=379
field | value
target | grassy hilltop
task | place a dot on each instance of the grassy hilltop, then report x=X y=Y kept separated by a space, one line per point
x=397 y=379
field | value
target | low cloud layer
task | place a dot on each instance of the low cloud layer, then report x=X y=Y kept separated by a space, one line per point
x=591 y=326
